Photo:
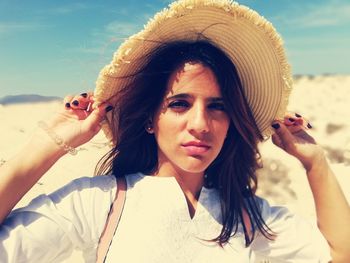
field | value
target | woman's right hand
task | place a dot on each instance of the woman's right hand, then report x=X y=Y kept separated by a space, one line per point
x=77 y=122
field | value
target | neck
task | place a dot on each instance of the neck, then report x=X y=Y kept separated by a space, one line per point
x=190 y=183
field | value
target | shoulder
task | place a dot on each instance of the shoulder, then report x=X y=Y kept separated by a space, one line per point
x=79 y=199
x=271 y=213
x=297 y=239
x=73 y=215
x=98 y=186
x=102 y=183
x=77 y=192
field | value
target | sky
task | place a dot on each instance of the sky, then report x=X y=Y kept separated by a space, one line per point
x=55 y=48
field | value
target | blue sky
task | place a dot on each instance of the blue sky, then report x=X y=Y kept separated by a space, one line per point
x=58 y=47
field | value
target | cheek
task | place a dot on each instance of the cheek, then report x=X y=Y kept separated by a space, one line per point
x=221 y=129
x=166 y=126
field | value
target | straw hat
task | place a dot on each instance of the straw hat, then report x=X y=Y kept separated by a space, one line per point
x=248 y=39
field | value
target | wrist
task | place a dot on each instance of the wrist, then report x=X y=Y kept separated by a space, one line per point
x=55 y=138
x=35 y=158
x=318 y=163
x=44 y=145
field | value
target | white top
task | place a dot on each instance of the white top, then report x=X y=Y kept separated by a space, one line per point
x=155 y=227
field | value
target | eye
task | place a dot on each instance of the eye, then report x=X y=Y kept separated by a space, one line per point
x=217 y=106
x=178 y=104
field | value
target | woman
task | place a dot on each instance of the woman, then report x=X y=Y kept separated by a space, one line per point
x=187 y=107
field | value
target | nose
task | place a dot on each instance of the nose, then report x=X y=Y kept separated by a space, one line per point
x=198 y=120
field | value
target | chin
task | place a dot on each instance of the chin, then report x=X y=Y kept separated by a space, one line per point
x=194 y=167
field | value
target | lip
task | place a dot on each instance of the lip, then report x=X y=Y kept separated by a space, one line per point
x=195 y=148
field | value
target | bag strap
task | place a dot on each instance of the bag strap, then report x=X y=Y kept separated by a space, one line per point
x=112 y=220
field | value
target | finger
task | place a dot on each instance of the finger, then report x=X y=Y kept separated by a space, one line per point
x=293 y=114
x=303 y=122
x=295 y=119
x=87 y=95
x=286 y=139
x=86 y=101
x=66 y=101
x=277 y=140
x=296 y=128
x=91 y=101
x=93 y=121
x=81 y=101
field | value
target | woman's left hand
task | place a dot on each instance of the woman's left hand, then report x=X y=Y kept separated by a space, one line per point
x=291 y=135
x=332 y=208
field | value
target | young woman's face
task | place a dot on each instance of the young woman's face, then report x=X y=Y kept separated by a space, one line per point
x=191 y=124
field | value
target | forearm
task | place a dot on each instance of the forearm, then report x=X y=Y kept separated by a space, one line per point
x=20 y=173
x=333 y=211
x=69 y=127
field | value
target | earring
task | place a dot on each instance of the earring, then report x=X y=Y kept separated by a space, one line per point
x=149 y=127
x=149 y=130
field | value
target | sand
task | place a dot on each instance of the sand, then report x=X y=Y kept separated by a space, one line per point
x=323 y=99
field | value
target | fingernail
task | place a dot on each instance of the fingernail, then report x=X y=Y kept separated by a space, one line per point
x=297 y=115
x=291 y=119
x=275 y=126
x=75 y=103
x=84 y=95
x=309 y=126
x=67 y=105
x=109 y=108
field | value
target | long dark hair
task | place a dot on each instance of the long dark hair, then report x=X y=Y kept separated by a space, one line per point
x=232 y=173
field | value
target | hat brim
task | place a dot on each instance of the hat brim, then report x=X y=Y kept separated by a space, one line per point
x=250 y=41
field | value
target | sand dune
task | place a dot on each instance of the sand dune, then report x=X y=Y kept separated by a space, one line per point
x=323 y=99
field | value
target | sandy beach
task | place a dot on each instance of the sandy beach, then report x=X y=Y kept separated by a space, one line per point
x=323 y=99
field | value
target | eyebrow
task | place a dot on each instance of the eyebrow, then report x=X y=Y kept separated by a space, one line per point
x=187 y=96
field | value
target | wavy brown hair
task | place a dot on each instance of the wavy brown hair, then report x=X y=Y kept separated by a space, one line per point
x=232 y=173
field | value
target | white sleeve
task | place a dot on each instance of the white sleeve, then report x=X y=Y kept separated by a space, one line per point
x=52 y=226
x=297 y=239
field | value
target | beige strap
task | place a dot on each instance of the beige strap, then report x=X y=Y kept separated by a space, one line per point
x=112 y=220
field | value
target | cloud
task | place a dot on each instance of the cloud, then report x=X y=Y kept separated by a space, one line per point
x=61 y=10
x=121 y=28
x=167 y=1
x=65 y=9
x=11 y=27
x=318 y=40
x=87 y=50
x=106 y=39
x=331 y=13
